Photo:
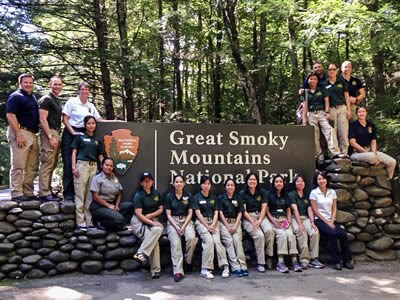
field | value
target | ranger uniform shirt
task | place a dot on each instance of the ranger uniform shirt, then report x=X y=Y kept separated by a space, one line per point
x=336 y=91
x=107 y=187
x=303 y=203
x=206 y=205
x=316 y=99
x=253 y=201
x=26 y=109
x=362 y=135
x=89 y=147
x=354 y=85
x=277 y=204
x=148 y=202
x=178 y=207
x=230 y=207
x=53 y=105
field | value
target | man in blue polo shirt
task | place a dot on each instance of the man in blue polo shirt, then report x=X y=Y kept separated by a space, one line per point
x=22 y=112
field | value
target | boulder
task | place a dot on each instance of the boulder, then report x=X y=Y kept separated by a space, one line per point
x=58 y=256
x=118 y=253
x=6 y=247
x=7 y=205
x=110 y=264
x=343 y=217
x=22 y=223
x=94 y=233
x=67 y=207
x=392 y=228
x=15 y=259
x=332 y=168
x=35 y=274
x=50 y=208
x=357 y=247
x=30 y=215
x=360 y=195
x=365 y=236
x=362 y=212
x=32 y=259
x=383 y=182
x=32 y=204
x=362 y=222
x=362 y=205
x=381 y=255
x=366 y=181
x=353 y=230
x=343 y=195
x=24 y=251
x=376 y=191
x=6 y=227
x=91 y=267
x=51 y=225
x=380 y=244
x=341 y=185
x=15 y=236
x=79 y=255
x=362 y=171
x=128 y=241
x=67 y=266
x=45 y=264
x=95 y=255
x=130 y=265
x=382 y=212
x=382 y=202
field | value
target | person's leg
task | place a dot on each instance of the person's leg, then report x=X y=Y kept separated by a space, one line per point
x=313 y=236
x=329 y=135
x=88 y=195
x=269 y=234
x=389 y=162
x=48 y=162
x=344 y=244
x=238 y=244
x=190 y=242
x=207 y=243
x=109 y=218
x=259 y=241
x=176 y=249
x=332 y=239
x=227 y=242
x=32 y=164
x=302 y=242
x=343 y=129
x=126 y=210
x=221 y=252
x=68 y=177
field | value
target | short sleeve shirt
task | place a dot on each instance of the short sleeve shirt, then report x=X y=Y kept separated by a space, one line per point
x=230 y=207
x=336 y=91
x=362 y=135
x=278 y=204
x=324 y=202
x=207 y=205
x=26 y=109
x=148 y=202
x=89 y=147
x=354 y=85
x=303 y=203
x=107 y=187
x=316 y=99
x=254 y=201
x=178 y=207
x=53 y=105
x=77 y=111
x=321 y=82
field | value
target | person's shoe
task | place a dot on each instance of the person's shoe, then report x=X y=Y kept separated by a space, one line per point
x=178 y=277
x=245 y=272
x=21 y=198
x=281 y=267
x=34 y=197
x=141 y=258
x=348 y=265
x=238 y=273
x=261 y=268
x=297 y=267
x=316 y=264
x=304 y=265
x=269 y=263
x=225 y=273
x=49 y=197
x=188 y=268
x=338 y=267
x=155 y=275
x=82 y=228
x=341 y=155
x=207 y=274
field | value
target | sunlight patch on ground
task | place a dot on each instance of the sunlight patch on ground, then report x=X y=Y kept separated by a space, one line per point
x=376 y=285
x=52 y=293
x=166 y=296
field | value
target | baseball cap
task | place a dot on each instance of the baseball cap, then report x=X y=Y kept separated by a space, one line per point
x=145 y=175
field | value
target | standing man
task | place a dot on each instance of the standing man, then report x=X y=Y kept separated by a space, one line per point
x=22 y=113
x=318 y=69
x=50 y=119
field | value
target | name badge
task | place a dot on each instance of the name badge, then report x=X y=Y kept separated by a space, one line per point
x=279 y=210
x=86 y=140
x=202 y=201
x=234 y=202
x=328 y=86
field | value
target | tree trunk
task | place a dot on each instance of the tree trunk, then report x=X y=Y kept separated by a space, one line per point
x=293 y=56
x=177 y=56
x=161 y=95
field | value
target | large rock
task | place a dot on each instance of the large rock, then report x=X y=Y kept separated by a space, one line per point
x=362 y=205
x=353 y=229
x=382 y=202
x=343 y=195
x=15 y=259
x=360 y=195
x=22 y=244
x=392 y=228
x=45 y=264
x=84 y=246
x=377 y=191
x=112 y=237
x=7 y=205
x=15 y=236
x=49 y=243
x=67 y=225
x=50 y=208
x=40 y=232
x=22 y=223
x=67 y=248
x=2 y=215
x=362 y=222
x=18 y=274
x=11 y=218
x=94 y=233
x=367 y=171
x=380 y=244
x=130 y=265
x=111 y=264
x=381 y=255
x=118 y=253
x=32 y=204
x=44 y=251
x=362 y=212
x=24 y=251
x=6 y=247
x=67 y=207
x=383 y=182
x=30 y=215
x=357 y=247
x=341 y=185
x=67 y=266
x=51 y=225
x=35 y=274
x=366 y=181
x=343 y=217
x=58 y=256
x=95 y=255
x=92 y=267
x=6 y=227
x=382 y=212
x=53 y=236
x=32 y=259
x=128 y=240
x=79 y=255
x=54 y=218
x=7 y=268
x=332 y=168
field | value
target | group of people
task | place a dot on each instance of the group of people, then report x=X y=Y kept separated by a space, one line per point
x=333 y=104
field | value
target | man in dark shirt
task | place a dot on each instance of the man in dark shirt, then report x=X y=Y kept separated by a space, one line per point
x=22 y=113
x=50 y=120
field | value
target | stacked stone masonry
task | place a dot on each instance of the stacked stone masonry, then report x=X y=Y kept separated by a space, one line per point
x=39 y=239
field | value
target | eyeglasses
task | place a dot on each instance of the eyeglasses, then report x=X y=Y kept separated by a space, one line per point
x=332 y=69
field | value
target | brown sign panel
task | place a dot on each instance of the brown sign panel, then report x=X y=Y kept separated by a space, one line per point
x=218 y=150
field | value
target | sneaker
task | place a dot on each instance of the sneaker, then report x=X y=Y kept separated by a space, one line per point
x=155 y=275
x=141 y=258
x=178 y=277
x=316 y=264
x=296 y=267
x=281 y=267
x=304 y=265
x=206 y=274
x=337 y=267
x=238 y=273
x=245 y=272
x=269 y=263
x=261 y=268
x=225 y=273
x=348 y=265
x=82 y=228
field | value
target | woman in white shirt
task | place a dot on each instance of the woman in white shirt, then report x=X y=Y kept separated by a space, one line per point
x=323 y=202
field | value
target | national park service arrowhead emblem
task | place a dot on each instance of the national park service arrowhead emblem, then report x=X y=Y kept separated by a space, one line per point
x=123 y=147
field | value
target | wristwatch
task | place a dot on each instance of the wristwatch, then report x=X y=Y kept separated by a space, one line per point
x=50 y=136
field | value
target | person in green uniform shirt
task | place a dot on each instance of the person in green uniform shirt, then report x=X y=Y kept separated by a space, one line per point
x=255 y=223
x=87 y=151
x=279 y=214
x=178 y=208
x=206 y=213
x=230 y=213
x=316 y=114
x=145 y=224
x=107 y=209
x=303 y=225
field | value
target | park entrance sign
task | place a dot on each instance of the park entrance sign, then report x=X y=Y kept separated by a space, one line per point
x=219 y=150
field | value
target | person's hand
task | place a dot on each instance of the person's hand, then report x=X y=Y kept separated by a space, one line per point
x=276 y=224
x=313 y=226
x=304 y=122
x=232 y=229
x=21 y=142
x=353 y=100
x=300 y=228
x=78 y=133
x=157 y=223
x=331 y=224
x=348 y=115
x=53 y=143
x=212 y=229
x=256 y=224
x=75 y=172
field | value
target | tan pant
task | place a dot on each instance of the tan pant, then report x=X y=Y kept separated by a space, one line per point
x=149 y=236
x=176 y=244
x=83 y=197
x=285 y=240
x=233 y=245
x=341 y=127
x=318 y=120
x=48 y=161
x=370 y=158
x=208 y=243
x=24 y=163
x=306 y=252
x=263 y=237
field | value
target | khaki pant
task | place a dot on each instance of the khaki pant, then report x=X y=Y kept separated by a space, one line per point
x=370 y=158
x=341 y=127
x=208 y=243
x=176 y=244
x=306 y=252
x=285 y=240
x=318 y=120
x=48 y=161
x=233 y=245
x=24 y=163
x=83 y=197
x=263 y=237
x=149 y=236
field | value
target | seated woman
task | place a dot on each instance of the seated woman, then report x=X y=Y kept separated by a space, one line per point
x=230 y=213
x=304 y=226
x=362 y=135
x=145 y=224
x=278 y=212
x=255 y=223
x=206 y=209
x=178 y=207
x=107 y=209
x=323 y=202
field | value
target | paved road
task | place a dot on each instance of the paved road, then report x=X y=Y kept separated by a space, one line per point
x=378 y=280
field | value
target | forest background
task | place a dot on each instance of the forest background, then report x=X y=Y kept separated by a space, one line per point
x=214 y=61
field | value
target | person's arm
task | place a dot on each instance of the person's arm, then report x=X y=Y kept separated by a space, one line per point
x=373 y=146
x=272 y=219
x=172 y=221
x=97 y=198
x=334 y=210
x=215 y=219
x=356 y=146
x=188 y=219
x=361 y=96
x=311 y=217
x=317 y=213
x=304 y=113
x=297 y=217
x=327 y=108
x=200 y=217
x=73 y=163
x=237 y=223
x=144 y=219
x=14 y=124
x=117 y=201
x=69 y=127
x=43 y=113
x=223 y=220
x=289 y=215
x=155 y=213
x=348 y=105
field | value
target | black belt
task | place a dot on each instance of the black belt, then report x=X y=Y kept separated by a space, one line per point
x=209 y=219
x=336 y=106
x=181 y=217
x=231 y=220
x=90 y=162
x=29 y=129
x=315 y=111
x=80 y=129
x=255 y=212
